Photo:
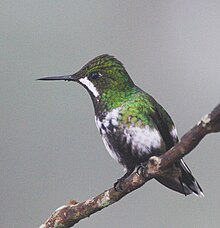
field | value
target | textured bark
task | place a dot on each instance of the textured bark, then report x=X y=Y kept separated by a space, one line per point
x=73 y=212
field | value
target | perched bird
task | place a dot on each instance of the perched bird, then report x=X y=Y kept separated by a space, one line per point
x=132 y=124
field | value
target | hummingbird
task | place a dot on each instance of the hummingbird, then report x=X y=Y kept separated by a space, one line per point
x=132 y=124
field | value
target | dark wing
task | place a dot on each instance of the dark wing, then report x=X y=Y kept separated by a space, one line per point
x=186 y=183
x=164 y=124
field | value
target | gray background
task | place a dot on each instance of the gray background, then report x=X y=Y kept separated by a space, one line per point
x=51 y=151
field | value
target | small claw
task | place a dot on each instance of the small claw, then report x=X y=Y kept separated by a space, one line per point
x=140 y=171
x=117 y=185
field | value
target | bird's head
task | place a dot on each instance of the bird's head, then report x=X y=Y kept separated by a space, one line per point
x=104 y=77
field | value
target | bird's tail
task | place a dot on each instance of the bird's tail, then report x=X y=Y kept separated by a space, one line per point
x=186 y=184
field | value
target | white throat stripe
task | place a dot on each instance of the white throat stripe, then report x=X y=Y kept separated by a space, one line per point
x=85 y=81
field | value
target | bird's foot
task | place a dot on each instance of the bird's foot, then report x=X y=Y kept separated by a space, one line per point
x=140 y=170
x=118 y=184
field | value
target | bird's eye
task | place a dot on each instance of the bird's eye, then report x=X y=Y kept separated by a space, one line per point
x=95 y=75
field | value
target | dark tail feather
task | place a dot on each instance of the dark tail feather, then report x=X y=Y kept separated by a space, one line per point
x=186 y=184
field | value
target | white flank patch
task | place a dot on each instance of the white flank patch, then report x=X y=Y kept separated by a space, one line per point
x=173 y=132
x=143 y=139
x=85 y=81
x=110 y=151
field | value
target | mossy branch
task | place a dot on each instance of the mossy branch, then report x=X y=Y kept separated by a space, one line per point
x=71 y=213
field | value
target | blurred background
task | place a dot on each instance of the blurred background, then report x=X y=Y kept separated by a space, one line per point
x=50 y=149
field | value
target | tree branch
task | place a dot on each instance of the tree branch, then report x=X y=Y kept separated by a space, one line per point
x=71 y=213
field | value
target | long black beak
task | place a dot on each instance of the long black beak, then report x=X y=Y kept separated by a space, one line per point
x=72 y=77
